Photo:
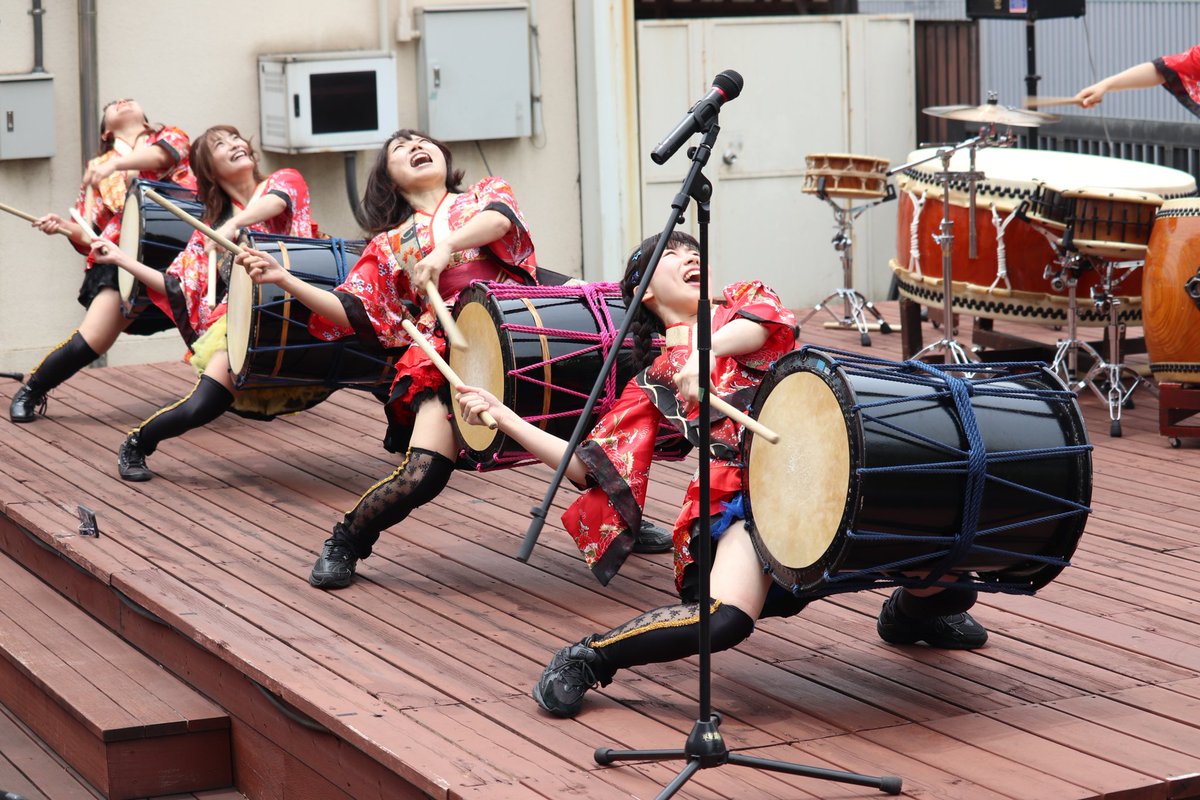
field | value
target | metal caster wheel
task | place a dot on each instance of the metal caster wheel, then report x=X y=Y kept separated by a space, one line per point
x=1175 y=442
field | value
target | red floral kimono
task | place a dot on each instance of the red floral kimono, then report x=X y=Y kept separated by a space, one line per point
x=1181 y=76
x=618 y=452
x=378 y=292
x=187 y=277
x=109 y=202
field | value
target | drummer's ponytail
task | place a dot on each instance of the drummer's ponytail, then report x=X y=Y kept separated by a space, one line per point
x=646 y=325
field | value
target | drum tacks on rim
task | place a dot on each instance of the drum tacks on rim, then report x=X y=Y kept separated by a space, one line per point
x=905 y=474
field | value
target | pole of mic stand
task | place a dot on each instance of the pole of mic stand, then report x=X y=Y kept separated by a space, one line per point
x=538 y=513
x=1031 y=76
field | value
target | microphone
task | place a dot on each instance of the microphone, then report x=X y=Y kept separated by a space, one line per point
x=726 y=87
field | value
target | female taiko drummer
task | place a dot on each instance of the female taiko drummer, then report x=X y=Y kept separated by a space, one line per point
x=235 y=195
x=426 y=227
x=129 y=147
x=751 y=330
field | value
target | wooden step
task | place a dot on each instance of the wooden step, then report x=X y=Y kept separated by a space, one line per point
x=123 y=722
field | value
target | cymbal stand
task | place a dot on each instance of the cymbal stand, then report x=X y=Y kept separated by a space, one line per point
x=854 y=304
x=1115 y=393
x=1104 y=377
x=954 y=352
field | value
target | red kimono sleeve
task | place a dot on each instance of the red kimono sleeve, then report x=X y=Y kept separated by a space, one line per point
x=604 y=520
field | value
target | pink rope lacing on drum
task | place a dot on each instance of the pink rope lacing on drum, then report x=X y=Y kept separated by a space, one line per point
x=595 y=295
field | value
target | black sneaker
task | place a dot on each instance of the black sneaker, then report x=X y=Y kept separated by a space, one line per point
x=26 y=405
x=652 y=539
x=567 y=677
x=335 y=566
x=131 y=461
x=951 y=632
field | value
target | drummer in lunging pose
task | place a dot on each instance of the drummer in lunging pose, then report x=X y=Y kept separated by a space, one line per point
x=750 y=331
x=235 y=195
x=426 y=227
x=129 y=147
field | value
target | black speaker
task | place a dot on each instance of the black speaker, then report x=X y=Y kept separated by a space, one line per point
x=1024 y=9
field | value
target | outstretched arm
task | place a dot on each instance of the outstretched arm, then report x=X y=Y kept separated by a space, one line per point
x=105 y=252
x=544 y=446
x=144 y=157
x=262 y=268
x=735 y=338
x=483 y=229
x=1140 y=76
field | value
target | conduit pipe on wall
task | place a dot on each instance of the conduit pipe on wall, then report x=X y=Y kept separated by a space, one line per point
x=89 y=81
x=36 y=12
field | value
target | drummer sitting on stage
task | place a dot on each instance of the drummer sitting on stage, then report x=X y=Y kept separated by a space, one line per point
x=750 y=331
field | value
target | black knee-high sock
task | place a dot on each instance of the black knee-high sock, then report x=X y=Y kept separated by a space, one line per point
x=668 y=634
x=61 y=363
x=207 y=401
x=415 y=482
x=941 y=604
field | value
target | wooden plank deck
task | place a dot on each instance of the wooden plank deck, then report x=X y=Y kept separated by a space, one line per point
x=420 y=672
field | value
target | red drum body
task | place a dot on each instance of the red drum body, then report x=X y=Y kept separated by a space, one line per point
x=1172 y=320
x=1006 y=279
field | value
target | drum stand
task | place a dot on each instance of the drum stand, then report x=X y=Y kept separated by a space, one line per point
x=853 y=302
x=1114 y=392
x=954 y=352
x=704 y=747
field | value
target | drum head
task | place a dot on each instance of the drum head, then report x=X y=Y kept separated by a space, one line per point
x=130 y=242
x=481 y=364
x=238 y=316
x=799 y=489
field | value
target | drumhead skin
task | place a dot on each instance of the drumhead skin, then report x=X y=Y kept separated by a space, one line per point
x=240 y=303
x=130 y=242
x=816 y=516
x=481 y=364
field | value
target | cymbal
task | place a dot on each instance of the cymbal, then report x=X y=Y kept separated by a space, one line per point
x=995 y=114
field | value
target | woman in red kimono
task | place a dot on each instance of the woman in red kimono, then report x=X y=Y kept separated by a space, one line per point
x=751 y=330
x=235 y=195
x=130 y=147
x=1179 y=74
x=426 y=226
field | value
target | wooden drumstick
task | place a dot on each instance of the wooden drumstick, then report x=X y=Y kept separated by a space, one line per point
x=439 y=362
x=27 y=217
x=89 y=203
x=89 y=233
x=745 y=420
x=236 y=249
x=210 y=295
x=453 y=334
x=1037 y=102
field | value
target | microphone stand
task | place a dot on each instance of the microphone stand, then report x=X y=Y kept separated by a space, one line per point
x=704 y=747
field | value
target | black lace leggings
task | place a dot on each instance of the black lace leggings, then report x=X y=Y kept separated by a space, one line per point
x=419 y=479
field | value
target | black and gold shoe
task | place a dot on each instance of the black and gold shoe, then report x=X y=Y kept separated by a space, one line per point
x=652 y=539
x=26 y=405
x=567 y=678
x=131 y=461
x=334 y=568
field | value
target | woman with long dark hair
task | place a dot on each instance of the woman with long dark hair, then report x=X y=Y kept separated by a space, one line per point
x=751 y=330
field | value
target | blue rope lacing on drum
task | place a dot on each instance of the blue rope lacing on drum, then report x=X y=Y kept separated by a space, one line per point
x=973 y=462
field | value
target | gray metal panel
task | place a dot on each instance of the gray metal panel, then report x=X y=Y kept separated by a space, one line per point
x=473 y=72
x=27 y=116
x=1074 y=53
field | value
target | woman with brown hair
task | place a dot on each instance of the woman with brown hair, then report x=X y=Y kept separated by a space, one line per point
x=235 y=195
x=129 y=147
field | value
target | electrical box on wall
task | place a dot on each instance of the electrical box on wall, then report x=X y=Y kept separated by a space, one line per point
x=317 y=102
x=27 y=116
x=473 y=72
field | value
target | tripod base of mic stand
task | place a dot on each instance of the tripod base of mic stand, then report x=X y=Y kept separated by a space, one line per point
x=854 y=314
x=19 y=377
x=706 y=748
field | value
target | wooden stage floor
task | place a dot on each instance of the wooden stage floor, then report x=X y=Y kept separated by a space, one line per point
x=415 y=681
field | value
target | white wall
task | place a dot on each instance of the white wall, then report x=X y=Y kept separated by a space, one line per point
x=194 y=65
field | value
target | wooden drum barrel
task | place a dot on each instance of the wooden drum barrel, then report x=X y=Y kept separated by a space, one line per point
x=1171 y=319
